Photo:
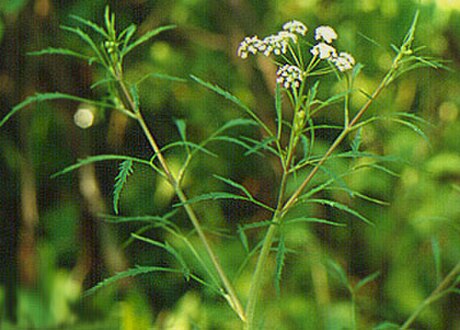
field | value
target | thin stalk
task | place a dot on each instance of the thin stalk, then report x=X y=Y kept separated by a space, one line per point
x=435 y=295
x=231 y=296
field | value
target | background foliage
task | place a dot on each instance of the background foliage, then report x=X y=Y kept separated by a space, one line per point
x=54 y=245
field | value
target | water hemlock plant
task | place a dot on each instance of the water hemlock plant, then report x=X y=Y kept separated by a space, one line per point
x=302 y=60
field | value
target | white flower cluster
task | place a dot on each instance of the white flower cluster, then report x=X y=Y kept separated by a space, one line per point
x=323 y=50
x=276 y=43
x=289 y=75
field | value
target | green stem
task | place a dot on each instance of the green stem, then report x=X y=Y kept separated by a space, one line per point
x=435 y=295
x=230 y=295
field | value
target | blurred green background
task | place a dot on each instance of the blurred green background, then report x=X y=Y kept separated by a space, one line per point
x=54 y=245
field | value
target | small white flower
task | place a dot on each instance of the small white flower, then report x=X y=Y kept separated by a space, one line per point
x=249 y=45
x=323 y=51
x=325 y=33
x=343 y=62
x=295 y=27
x=289 y=75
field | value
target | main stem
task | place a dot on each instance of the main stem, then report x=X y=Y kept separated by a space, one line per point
x=230 y=291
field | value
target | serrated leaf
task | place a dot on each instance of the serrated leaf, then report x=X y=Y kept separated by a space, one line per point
x=139 y=270
x=280 y=257
x=366 y=280
x=341 y=207
x=233 y=99
x=98 y=158
x=41 y=97
x=144 y=38
x=125 y=170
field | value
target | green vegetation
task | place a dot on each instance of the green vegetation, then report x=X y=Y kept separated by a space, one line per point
x=160 y=170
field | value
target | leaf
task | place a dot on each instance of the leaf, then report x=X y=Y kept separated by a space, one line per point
x=235 y=100
x=188 y=144
x=138 y=270
x=181 y=128
x=340 y=273
x=366 y=280
x=145 y=38
x=387 y=326
x=223 y=195
x=60 y=51
x=243 y=238
x=98 y=158
x=341 y=207
x=317 y=220
x=86 y=38
x=161 y=76
x=167 y=247
x=356 y=143
x=41 y=97
x=125 y=170
x=234 y=184
x=280 y=258
x=412 y=126
x=92 y=25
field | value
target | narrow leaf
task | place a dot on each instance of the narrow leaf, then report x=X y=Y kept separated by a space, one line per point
x=161 y=76
x=139 y=270
x=41 y=97
x=60 y=51
x=280 y=257
x=317 y=220
x=234 y=184
x=340 y=273
x=98 y=158
x=367 y=279
x=92 y=25
x=235 y=100
x=341 y=207
x=125 y=170
x=145 y=38
x=243 y=238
